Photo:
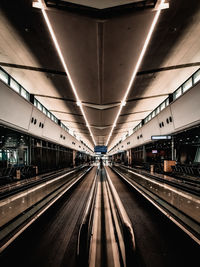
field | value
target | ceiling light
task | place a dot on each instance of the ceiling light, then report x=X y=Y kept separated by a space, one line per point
x=123 y=103
x=78 y=103
x=137 y=65
x=64 y=64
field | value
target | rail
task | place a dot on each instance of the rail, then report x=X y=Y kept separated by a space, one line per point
x=106 y=237
x=36 y=201
x=188 y=185
x=13 y=188
x=127 y=230
x=85 y=230
x=179 y=206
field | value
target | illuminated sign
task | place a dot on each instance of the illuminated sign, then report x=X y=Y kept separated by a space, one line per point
x=102 y=149
x=161 y=137
x=154 y=151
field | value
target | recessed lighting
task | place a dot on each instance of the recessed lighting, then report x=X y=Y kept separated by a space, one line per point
x=40 y=5
x=138 y=64
x=78 y=103
x=123 y=103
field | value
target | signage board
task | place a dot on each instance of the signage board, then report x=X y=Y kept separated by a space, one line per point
x=102 y=149
x=161 y=137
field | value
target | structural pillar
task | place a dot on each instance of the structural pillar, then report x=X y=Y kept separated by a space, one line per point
x=144 y=154
x=173 y=151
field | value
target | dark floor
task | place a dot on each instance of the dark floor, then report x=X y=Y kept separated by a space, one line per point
x=160 y=243
x=51 y=241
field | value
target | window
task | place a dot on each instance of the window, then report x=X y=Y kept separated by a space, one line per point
x=167 y=102
x=24 y=93
x=35 y=102
x=196 y=76
x=162 y=106
x=48 y=114
x=177 y=93
x=45 y=111
x=149 y=117
x=157 y=110
x=40 y=107
x=14 y=85
x=153 y=114
x=4 y=76
x=187 y=85
x=55 y=119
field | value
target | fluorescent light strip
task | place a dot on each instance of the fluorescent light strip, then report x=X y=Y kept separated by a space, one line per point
x=64 y=65
x=136 y=67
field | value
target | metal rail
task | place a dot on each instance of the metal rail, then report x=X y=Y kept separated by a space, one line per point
x=10 y=190
x=106 y=237
x=11 y=230
x=177 y=205
x=187 y=186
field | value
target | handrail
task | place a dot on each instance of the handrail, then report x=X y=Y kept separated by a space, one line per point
x=105 y=226
x=85 y=230
x=128 y=233
x=169 y=203
x=10 y=231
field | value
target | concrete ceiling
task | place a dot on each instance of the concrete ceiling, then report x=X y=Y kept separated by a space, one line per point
x=101 y=54
x=100 y=4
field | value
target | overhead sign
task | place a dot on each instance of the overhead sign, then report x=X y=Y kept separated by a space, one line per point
x=161 y=137
x=102 y=149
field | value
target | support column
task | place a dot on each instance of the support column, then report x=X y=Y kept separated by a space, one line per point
x=173 y=149
x=144 y=154
x=74 y=156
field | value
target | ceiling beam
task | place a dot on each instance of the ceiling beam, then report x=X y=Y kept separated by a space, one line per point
x=62 y=73
x=129 y=121
x=131 y=113
x=25 y=67
x=56 y=97
x=63 y=112
x=73 y=122
x=146 y=97
x=175 y=67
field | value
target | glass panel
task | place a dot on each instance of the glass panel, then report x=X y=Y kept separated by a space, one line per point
x=48 y=114
x=14 y=85
x=71 y=132
x=162 y=106
x=167 y=102
x=187 y=85
x=35 y=102
x=196 y=76
x=40 y=107
x=157 y=110
x=4 y=76
x=24 y=93
x=177 y=93
x=44 y=110
x=153 y=114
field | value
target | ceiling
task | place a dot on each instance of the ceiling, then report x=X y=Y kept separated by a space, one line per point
x=100 y=46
